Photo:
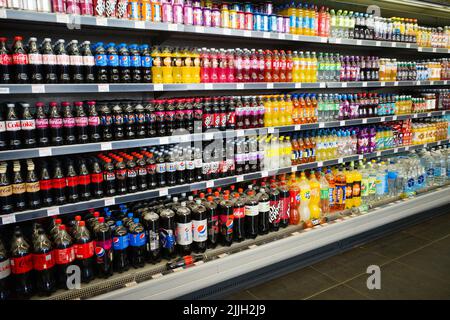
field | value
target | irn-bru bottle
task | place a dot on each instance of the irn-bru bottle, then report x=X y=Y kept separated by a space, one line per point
x=341 y=185
x=186 y=66
x=167 y=65
x=177 y=62
x=314 y=202
x=157 y=73
x=349 y=188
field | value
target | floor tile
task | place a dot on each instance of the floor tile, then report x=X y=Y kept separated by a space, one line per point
x=241 y=295
x=433 y=229
x=341 y=292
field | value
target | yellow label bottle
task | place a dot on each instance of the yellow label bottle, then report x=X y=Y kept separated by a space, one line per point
x=157 y=73
x=167 y=66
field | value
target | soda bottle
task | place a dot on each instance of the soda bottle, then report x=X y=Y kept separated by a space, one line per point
x=150 y=220
x=166 y=233
x=169 y=117
x=120 y=171
x=118 y=121
x=6 y=193
x=68 y=123
x=13 y=127
x=58 y=184
x=305 y=195
x=62 y=62
x=5 y=273
x=285 y=204
x=81 y=123
x=101 y=64
x=64 y=253
x=84 y=252
x=106 y=122
x=34 y=62
x=3 y=140
x=183 y=231
x=28 y=126
x=103 y=249
x=113 y=63
x=72 y=182
x=140 y=128
x=314 y=203
x=19 y=61
x=150 y=119
x=88 y=62
x=275 y=207
x=184 y=261
x=56 y=125
x=132 y=175
x=138 y=244
x=45 y=185
x=6 y=68
x=239 y=231
x=294 y=195
x=146 y=64
x=124 y=63
x=18 y=188
x=226 y=220
x=199 y=227
x=43 y=263
x=212 y=217
x=41 y=123
x=84 y=181
x=21 y=265
x=120 y=241
x=49 y=70
x=32 y=187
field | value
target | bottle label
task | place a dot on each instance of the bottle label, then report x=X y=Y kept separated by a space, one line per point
x=226 y=224
x=58 y=183
x=62 y=59
x=131 y=173
x=181 y=166
x=64 y=256
x=41 y=123
x=200 y=230
x=5 y=269
x=2 y=126
x=349 y=191
x=113 y=60
x=48 y=59
x=76 y=60
x=356 y=189
x=324 y=194
x=96 y=177
x=81 y=121
x=100 y=60
x=213 y=226
x=198 y=163
x=88 y=61
x=124 y=61
x=274 y=212
x=18 y=188
x=121 y=243
x=153 y=239
x=190 y=165
x=56 y=123
x=263 y=206
x=372 y=186
x=84 y=251
x=19 y=58
x=184 y=233
x=110 y=176
x=239 y=213
x=71 y=181
x=161 y=168
x=340 y=194
x=45 y=184
x=69 y=122
x=34 y=58
x=6 y=191
x=134 y=61
x=32 y=187
x=28 y=124
x=5 y=59
x=137 y=239
x=171 y=166
x=22 y=265
x=94 y=121
x=167 y=238
x=146 y=61
x=84 y=180
x=285 y=208
x=43 y=261
x=332 y=196
x=13 y=125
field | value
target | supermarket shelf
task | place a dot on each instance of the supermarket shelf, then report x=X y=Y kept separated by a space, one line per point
x=229 y=266
x=373 y=43
x=155 y=87
x=434 y=50
x=80 y=206
x=147 y=142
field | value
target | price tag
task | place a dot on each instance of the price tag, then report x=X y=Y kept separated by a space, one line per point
x=199 y=29
x=281 y=36
x=239 y=178
x=320 y=164
x=406 y=148
x=264 y=174
x=298 y=85
x=210 y=184
x=344 y=84
x=163 y=192
x=445 y=81
x=266 y=35
x=4 y=90
x=173 y=27
x=431 y=83
x=270 y=85
x=395 y=150
x=382 y=84
x=393 y=44
x=443 y=113
x=139 y=24
x=271 y=130
x=294 y=169
x=101 y=21
x=209 y=136
x=227 y=31
x=358 y=42
x=8 y=218
x=378 y=153
x=340 y=160
x=164 y=140
x=158 y=87
x=295 y=37
x=239 y=133
x=247 y=33
x=360 y=157
x=103 y=88
x=37 y=88
x=52 y=211
x=297 y=127
x=418 y=83
x=382 y=119
x=408 y=45
x=378 y=43
x=364 y=120
x=429 y=114
x=208 y=86
x=341 y=123
x=110 y=202
x=184 y=138
x=321 y=125
x=415 y=115
x=322 y=85
x=106 y=146
x=239 y=86
x=396 y=83
x=364 y=84
x=394 y=118
x=338 y=40
x=45 y=152
x=434 y=50
x=420 y=49
x=62 y=18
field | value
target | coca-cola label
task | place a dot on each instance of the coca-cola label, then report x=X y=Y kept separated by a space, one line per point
x=64 y=256
x=84 y=251
x=208 y=120
x=59 y=183
x=84 y=180
x=71 y=181
x=239 y=213
x=5 y=59
x=28 y=124
x=63 y=59
x=69 y=122
x=94 y=121
x=274 y=213
x=285 y=208
x=19 y=188
x=13 y=125
x=81 y=121
x=43 y=261
x=49 y=59
x=55 y=123
x=21 y=265
x=5 y=269
x=45 y=184
x=19 y=58
x=200 y=230
x=231 y=118
x=88 y=61
x=96 y=178
x=32 y=187
x=41 y=123
x=34 y=58
x=217 y=120
x=2 y=126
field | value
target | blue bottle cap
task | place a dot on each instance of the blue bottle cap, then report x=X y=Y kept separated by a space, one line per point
x=118 y=223
x=136 y=220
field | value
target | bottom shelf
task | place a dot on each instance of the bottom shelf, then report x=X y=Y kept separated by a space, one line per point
x=225 y=263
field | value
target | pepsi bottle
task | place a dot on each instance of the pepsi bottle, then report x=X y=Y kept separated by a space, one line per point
x=120 y=247
x=146 y=64
x=113 y=63
x=199 y=227
x=150 y=220
x=103 y=249
x=124 y=63
x=166 y=233
x=138 y=244
x=184 y=229
x=226 y=220
x=135 y=64
x=101 y=64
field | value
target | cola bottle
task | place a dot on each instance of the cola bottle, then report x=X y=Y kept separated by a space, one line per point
x=262 y=226
x=21 y=265
x=180 y=166
x=113 y=63
x=208 y=115
x=118 y=121
x=124 y=63
x=226 y=220
x=101 y=64
x=45 y=185
x=72 y=182
x=3 y=142
x=275 y=207
x=151 y=171
x=169 y=117
x=121 y=176
x=171 y=167
x=84 y=181
x=75 y=62
x=34 y=62
x=5 y=273
x=285 y=205
x=212 y=217
x=135 y=64
x=6 y=193
x=141 y=172
x=222 y=115
x=146 y=63
x=55 y=223
x=231 y=114
x=32 y=187
x=13 y=127
x=103 y=249
x=64 y=253
x=198 y=115
x=96 y=179
x=166 y=233
x=49 y=63
x=120 y=248
x=189 y=115
x=160 y=170
x=107 y=122
x=138 y=244
x=239 y=218
x=19 y=61
x=28 y=126
x=88 y=62
x=109 y=177
x=56 y=125
x=58 y=184
x=43 y=263
x=160 y=118
x=199 y=227
x=6 y=68
x=62 y=62
x=41 y=123
x=129 y=121
x=198 y=162
x=81 y=123
x=93 y=123
x=189 y=165
x=132 y=183
x=18 y=188
x=140 y=125
x=183 y=230
x=150 y=119
x=150 y=220
x=68 y=123
x=84 y=252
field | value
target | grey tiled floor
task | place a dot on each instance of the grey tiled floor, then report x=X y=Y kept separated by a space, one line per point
x=415 y=264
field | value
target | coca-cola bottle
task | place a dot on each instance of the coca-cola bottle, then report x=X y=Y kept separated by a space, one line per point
x=13 y=127
x=58 y=184
x=64 y=253
x=68 y=123
x=96 y=179
x=5 y=273
x=84 y=252
x=239 y=218
x=109 y=177
x=81 y=123
x=88 y=62
x=28 y=126
x=6 y=68
x=84 y=181
x=21 y=265
x=75 y=62
x=94 y=132
x=49 y=62
x=72 y=182
x=46 y=185
x=3 y=142
x=6 y=194
x=43 y=263
x=32 y=186
x=56 y=125
x=41 y=122
x=20 y=61
x=18 y=188
x=34 y=62
x=62 y=62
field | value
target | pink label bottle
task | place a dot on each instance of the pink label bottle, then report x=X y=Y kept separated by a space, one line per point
x=167 y=12
x=205 y=66
x=59 y=6
x=230 y=70
x=214 y=70
x=73 y=7
x=188 y=18
x=177 y=9
x=207 y=17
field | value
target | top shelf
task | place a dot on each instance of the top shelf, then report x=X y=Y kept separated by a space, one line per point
x=38 y=17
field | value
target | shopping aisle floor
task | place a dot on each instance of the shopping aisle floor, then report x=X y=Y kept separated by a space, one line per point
x=414 y=263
